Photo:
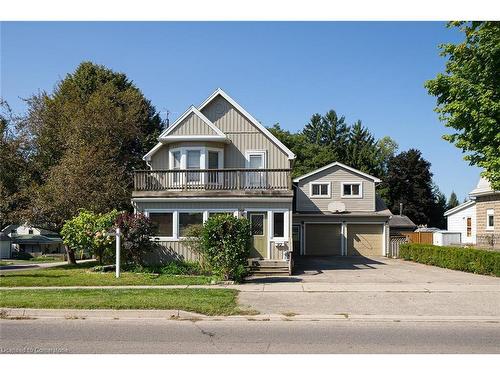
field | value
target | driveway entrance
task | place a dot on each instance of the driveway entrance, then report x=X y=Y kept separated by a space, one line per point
x=340 y=270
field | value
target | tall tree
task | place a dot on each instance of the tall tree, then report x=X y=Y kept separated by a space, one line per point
x=409 y=181
x=87 y=137
x=468 y=95
x=362 y=151
x=315 y=130
x=439 y=207
x=14 y=168
x=453 y=201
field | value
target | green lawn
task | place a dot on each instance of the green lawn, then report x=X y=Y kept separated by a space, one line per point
x=80 y=275
x=204 y=301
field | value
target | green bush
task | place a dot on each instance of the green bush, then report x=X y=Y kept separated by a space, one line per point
x=22 y=255
x=176 y=267
x=456 y=258
x=224 y=245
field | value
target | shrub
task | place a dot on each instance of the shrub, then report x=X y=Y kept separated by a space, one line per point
x=136 y=231
x=225 y=245
x=88 y=232
x=455 y=258
x=21 y=255
x=182 y=268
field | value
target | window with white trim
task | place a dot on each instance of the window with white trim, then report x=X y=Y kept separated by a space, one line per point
x=490 y=219
x=163 y=223
x=188 y=220
x=320 y=190
x=352 y=190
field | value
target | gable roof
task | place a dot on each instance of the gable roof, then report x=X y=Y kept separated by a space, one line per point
x=401 y=221
x=191 y=110
x=334 y=164
x=257 y=124
x=165 y=138
x=459 y=208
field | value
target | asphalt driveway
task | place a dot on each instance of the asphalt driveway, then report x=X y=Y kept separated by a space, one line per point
x=381 y=286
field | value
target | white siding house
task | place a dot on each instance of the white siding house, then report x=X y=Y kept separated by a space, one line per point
x=462 y=219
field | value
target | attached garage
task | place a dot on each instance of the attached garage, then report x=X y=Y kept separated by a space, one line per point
x=365 y=240
x=323 y=239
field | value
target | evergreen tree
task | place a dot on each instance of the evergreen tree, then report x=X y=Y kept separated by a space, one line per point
x=439 y=207
x=409 y=181
x=362 y=151
x=453 y=201
x=315 y=130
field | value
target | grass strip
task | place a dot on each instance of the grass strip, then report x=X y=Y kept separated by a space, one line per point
x=203 y=301
x=80 y=275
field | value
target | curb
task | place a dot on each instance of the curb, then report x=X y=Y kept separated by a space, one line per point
x=180 y=315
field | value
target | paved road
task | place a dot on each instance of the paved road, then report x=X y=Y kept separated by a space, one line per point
x=167 y=336
x=33 y=266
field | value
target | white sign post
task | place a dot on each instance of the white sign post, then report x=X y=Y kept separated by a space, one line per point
x=117 y=240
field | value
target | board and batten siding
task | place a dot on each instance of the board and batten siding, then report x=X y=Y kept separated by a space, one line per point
x=193 y=125
x=335 y=176
x=457 y=222
x=169 y=250
x=242 y=134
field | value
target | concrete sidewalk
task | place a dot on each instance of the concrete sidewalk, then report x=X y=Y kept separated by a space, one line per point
x=297 y=287
x=74 y=314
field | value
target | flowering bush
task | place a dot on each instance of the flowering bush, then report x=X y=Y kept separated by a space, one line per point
x=136 y=232
x=88 y=232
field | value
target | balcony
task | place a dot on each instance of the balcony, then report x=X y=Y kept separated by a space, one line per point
x=212 y=182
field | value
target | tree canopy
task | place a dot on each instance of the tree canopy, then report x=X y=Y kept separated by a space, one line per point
x=468 y=95
x=328 y=138
x=84 y=139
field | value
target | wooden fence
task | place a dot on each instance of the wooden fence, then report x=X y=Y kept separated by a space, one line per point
x=419 y=237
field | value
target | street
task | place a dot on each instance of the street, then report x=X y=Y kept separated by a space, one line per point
x=171 y=336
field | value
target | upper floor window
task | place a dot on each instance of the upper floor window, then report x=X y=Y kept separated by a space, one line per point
x=352 y=190
x=320 y=189
x=30 y=231
x=490 y=219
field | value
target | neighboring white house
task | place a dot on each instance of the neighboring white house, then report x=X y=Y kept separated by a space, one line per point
x=463 y=219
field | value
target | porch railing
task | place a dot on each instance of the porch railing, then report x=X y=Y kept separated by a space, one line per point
x=213 y=179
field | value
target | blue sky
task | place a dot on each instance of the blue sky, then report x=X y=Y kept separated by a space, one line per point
x=279 y=71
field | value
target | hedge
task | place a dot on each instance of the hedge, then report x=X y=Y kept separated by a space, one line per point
x=456 y=258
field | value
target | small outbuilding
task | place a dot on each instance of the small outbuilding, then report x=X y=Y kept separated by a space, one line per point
x=462 y=219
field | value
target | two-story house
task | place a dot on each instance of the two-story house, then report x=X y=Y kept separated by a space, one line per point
x=216 y=158
x=337 y=212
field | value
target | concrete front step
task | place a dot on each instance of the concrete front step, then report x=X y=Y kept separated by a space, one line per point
x=268 y=267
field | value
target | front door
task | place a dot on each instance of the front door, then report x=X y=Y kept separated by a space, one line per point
x=258 y=222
